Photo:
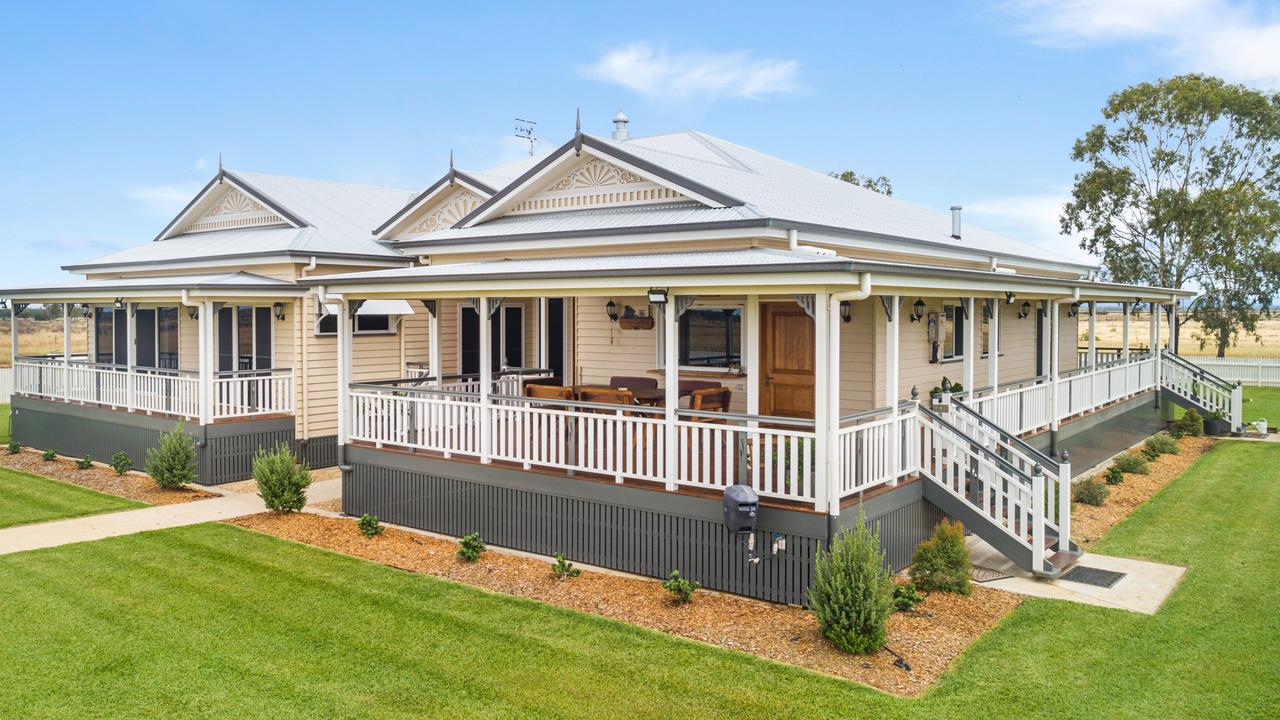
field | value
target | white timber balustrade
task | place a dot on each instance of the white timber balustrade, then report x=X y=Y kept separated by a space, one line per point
x=1202 y=387
x=253 y=392
x=149 y=390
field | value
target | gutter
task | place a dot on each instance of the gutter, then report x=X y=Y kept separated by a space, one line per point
x=862 y=293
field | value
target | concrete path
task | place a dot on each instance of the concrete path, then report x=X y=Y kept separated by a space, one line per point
x=158 y=517
x=1143 y=589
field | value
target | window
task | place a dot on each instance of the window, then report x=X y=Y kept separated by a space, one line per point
x=365 y=325
x=711 y=337
x=103 y=335
x=506 y=339
x=952 y=332
x=244 y=338
x=167 y=338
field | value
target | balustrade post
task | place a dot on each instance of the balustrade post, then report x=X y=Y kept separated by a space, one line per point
x=486 y=381
x=1037 y=518
x=1064 y=501
x=66 y=352
x=671 y=359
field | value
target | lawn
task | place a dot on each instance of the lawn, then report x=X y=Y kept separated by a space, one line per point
x=27 y=499
x=1262 y=402
x=4 y=424
x=215 y=621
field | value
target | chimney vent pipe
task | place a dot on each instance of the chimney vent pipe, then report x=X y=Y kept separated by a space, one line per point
x=955 y=221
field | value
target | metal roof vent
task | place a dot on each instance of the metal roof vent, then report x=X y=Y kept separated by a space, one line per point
x=955 y=221
x=620 y=131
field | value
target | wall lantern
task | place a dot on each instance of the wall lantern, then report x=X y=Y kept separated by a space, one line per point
x=278 y=310
x=1026 y=310
x=611 y=309
x=917 y=310
x=193 y=312
x=1073 y=310
x=846 y=312
x=658 y=296
x=119 y=304
x=1009 y=297
x=86 y=310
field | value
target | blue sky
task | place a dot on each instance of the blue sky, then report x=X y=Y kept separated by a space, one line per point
x=113 y=116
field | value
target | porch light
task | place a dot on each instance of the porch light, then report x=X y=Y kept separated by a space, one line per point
x=278 y=310
x=1026 y=310
x=1074 y=310
x=193 y=311
x=1009 y=297
x=917 y=310
x=846 y=312
x=657 y=296
x=86 y=310
x=119 y=304
x=611 y=309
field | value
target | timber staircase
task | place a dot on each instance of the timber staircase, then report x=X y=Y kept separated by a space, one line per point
x=1194 y=387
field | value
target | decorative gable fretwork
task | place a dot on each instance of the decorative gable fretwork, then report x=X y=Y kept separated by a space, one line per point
x=457 y=206
x=595 y=183
x=234 y=209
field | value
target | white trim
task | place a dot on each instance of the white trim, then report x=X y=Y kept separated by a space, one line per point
x=239 y=262
x=393 y=325
x=713 y=304
x=201 y=205
x=502 y=332
x=409 y=215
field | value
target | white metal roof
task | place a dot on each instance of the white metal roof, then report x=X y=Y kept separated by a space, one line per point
x=748 y=260
x=338 y=219
x=234 y=280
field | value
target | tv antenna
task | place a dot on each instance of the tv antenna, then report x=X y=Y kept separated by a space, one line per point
x=525 y=131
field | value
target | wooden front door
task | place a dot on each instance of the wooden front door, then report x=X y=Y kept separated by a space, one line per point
x=787 y=360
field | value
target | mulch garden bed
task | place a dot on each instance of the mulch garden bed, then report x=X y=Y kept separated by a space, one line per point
x=1089 y=523
x=929 y=637
x=132 y=485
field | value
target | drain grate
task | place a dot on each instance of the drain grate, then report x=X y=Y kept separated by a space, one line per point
x=985 y=574
x=1093 y=576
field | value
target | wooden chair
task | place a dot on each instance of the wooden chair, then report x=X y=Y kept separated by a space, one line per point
x=715 y=399
x=554 y=381
x=540 y=391
x=689 y=386
x=629 y=382
x=609 y=396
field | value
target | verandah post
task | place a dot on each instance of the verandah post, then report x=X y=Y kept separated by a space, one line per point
x=66 y=351
x=835 y=472
x=822 y=399
x=993 y=355
x=486 y=381
x=671 y=400
x=1124 y=331
x=433 y=352
x=1052 y=328
x=891 y=384
x=204 y=360
x=1093 y=334
x=345 y=348
x=970 y=349
x=131 y=353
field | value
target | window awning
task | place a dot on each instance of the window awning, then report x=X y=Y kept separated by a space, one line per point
x=376 y=307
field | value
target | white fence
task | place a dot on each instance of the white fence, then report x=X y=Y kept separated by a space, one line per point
x=1249 y=371
x=6 y=383
x=253 y=392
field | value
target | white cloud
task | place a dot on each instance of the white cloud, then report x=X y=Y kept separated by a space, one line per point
x=200 y=164
x=659 y=74
x=1236 y=40
x=164 y=199
x=1030 y=218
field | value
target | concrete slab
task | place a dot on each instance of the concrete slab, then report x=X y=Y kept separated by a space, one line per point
x=1143 y=589
x=159 y=517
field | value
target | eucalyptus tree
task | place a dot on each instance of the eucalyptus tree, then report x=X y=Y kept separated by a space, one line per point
x=1175 y=174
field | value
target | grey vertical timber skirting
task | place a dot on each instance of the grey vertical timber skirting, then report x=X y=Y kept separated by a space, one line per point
x=1094 y=438
x=636 y=530
x=79 y=430
x=317 y=452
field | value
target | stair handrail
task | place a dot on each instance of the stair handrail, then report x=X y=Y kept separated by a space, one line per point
x=1006 y=436
x=1013 y=469
x=1199 y=371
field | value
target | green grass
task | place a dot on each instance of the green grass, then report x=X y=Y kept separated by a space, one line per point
x=28 y=499
x=214 y=621
x=4 y=424
x=1262 y=402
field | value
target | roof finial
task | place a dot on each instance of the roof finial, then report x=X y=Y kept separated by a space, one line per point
x=577 y=134
x=453 y=174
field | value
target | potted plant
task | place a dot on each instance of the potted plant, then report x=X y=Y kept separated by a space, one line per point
x=940 y=395
x=1217 y=425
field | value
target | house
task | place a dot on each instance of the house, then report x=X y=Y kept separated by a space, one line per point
x=588 y=348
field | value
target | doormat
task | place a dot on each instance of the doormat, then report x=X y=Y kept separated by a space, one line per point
x=985 y=574
x=1093 y=576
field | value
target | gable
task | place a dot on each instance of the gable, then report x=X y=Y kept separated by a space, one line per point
x=446 y=212
x=234 y=209
x=595 y=183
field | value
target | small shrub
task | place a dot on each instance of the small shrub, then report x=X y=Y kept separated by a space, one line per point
x=14 y=448
x=470 y=547
x=49 y=455
x=1149 y=453
x=369 y=525
x=84 y=463
x=172 y=463
x=852 y=593
x=906 y=597
x=942 y=561
x=1132 y=463
x=562 y=568
x=282 y=480
x=1191 y=423
x=683 y=588
x=1164 y=444
x=1113 y=475
x=121 y=462
x=1090 y=492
